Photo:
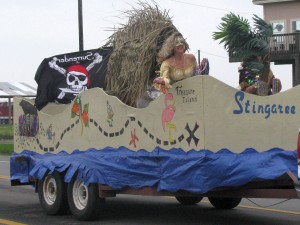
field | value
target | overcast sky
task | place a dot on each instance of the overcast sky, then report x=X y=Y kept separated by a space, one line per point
x=36 y=29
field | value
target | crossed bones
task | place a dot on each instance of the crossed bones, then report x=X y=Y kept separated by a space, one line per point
x=53 y=65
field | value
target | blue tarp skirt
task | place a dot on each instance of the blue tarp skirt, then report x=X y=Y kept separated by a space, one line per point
x=170 y=170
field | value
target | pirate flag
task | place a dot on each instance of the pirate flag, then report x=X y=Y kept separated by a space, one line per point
x=60 y=78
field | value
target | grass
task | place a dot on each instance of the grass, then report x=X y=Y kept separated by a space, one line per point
x=6 y=149
x=6 y=131
x=6 y=135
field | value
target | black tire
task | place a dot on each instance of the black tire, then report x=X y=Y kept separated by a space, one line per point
x=52 y=191
x=224 y=203
x=188 y=200
x=84 y=201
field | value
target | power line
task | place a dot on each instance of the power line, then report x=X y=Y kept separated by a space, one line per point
x=209 y=7
x=214 y=55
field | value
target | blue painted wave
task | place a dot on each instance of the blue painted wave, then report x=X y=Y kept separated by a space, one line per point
x=171 y=170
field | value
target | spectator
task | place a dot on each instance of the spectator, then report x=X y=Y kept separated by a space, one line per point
x=249 y=79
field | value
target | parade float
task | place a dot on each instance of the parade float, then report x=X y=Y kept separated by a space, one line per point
x=201 y=139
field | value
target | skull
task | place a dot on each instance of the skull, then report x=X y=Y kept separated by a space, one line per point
x=77 y=78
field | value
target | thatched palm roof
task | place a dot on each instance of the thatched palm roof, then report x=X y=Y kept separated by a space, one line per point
x=132 y=64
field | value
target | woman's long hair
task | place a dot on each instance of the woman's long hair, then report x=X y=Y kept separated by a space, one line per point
x=167 y=50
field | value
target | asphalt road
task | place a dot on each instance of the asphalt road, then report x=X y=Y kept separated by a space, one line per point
x=20 y=205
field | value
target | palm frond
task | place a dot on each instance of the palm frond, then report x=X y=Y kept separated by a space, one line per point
x=262 y=27
x=238 y=37
x=231 y=29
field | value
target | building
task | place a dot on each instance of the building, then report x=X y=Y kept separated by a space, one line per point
x=284 y=15
x=8 y=91
x=5 y=110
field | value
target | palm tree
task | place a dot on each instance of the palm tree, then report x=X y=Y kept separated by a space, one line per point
x=239 y=39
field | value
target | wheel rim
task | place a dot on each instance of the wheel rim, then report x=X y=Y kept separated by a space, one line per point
x=50 y=190
x=80 y=194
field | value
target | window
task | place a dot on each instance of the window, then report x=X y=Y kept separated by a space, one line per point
x=278 y=29
x=296 y=26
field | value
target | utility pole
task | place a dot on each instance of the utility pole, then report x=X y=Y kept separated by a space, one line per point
x=80 y=25
x=198 y=57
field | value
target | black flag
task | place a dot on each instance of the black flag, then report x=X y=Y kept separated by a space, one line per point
x=60 y=78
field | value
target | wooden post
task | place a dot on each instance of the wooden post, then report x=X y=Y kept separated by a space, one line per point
x=296 y=72
x=9 y=111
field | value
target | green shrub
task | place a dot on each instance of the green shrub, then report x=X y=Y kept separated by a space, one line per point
x=6 y=149
x=7 y=136
x=6 y=131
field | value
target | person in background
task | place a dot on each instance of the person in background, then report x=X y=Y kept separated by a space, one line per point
x=175 y=64
x=249 y=73
x=203 y=68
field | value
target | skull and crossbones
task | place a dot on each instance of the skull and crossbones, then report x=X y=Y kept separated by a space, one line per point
x=77 y=77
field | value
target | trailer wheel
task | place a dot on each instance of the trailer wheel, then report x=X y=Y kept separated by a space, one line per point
x=224 y=203
x=188 y=200
x=84 y=201
x=52 y=193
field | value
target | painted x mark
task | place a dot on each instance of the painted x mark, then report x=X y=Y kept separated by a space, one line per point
x=192 y=134
x=134 y=138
